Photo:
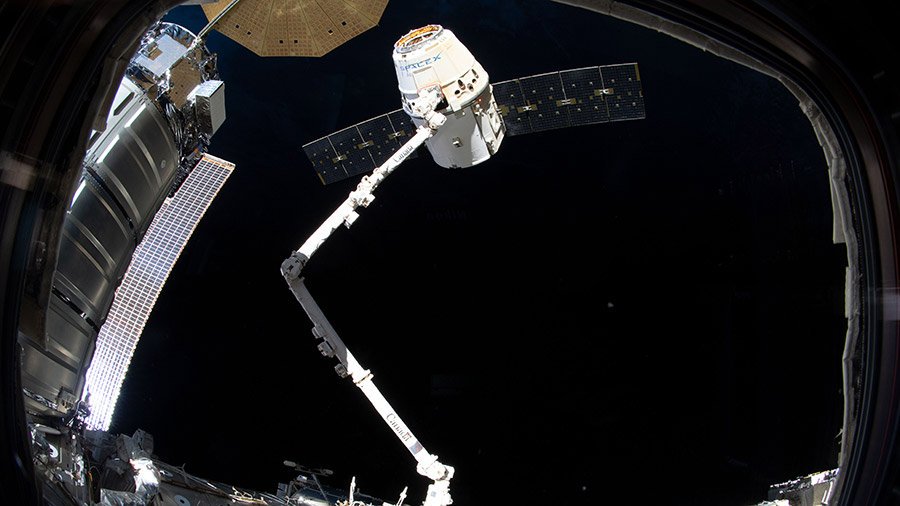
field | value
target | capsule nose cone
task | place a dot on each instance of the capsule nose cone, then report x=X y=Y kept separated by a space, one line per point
x=416 y=37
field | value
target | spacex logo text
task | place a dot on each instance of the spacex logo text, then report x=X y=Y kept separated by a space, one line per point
x=426 y=61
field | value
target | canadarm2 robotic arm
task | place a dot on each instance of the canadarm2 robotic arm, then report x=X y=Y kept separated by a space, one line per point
x=331 y=344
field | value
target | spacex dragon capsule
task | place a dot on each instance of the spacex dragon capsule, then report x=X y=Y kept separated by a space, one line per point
x=432 y=57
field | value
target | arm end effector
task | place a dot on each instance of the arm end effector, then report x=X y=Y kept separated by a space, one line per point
x=293 y=265
x=434 y=470
x=439 y=491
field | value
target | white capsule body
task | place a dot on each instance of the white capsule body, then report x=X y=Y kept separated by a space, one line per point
x=430 y=57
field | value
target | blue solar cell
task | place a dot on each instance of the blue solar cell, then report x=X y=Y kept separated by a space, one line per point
x=543 y=91
x=351 y=152
x=625 y=98
x=323 y=158
x=583 y=88
x=376 y=137
x=509 y=97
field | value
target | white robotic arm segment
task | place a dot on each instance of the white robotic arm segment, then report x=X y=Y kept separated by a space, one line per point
x=346 y=214
x=331 y=344
x=364 y=194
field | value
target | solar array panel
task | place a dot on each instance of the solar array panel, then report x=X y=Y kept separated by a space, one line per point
x=294 y=27
x=570 y=98
x=544 y=92
x=360 y=148
x=530 y=104
x=142 y=283
x=626 y=101
x=511 y=101
x=580 y=86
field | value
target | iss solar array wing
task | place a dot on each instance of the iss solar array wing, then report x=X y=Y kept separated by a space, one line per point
x=570 y=98
x=360 y=148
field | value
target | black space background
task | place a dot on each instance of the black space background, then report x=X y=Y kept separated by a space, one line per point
x=648 y=310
